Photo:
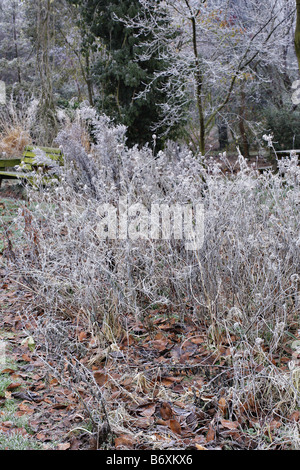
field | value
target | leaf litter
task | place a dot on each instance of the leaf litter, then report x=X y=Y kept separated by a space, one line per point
x=164 y=385
x=168 y=384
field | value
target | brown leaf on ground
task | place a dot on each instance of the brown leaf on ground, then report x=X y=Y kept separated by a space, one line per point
x=162 y=422
x=169 y=381
x=82 y=336
x=24 y=407
x=100 y=377
x=144 y=422
x=211 y=434
x=166 y=411
x=159 y=344
x=64 y=446
x=12 y=386
x=147 y=410
x=200 y=447
x=226 y=423
x=222 y=405
x=26 y=358
x=124 y=441
x=295 y=416
x=175 y=426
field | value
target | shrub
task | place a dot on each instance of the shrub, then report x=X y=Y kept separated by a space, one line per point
x=243 y=282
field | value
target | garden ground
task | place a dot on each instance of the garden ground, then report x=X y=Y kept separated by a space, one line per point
x=166 y=385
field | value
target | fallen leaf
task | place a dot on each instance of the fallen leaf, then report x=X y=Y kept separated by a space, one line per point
x=148 y=410
x=93 y=343
x=7 y=371
x=274 y=424
x=226 y=423
x=295 y=416
x=100 y=377
x=169 y=381
x=26 y=358
x=159 y=344
x=210 y=436
x=144 y=422
x=166 y=411
x=64 y=446
x=59 y=406
x=160 y=336
x=54 y=382
x=175 y=426
x=162 y=422
x=40 y=386
x=47 y=400
x=23 y=407
x=197 y=341
x=29 y=342
x=128 y=340
x=12 y=386
x=124 y=440
x=192 y=420
x=8 y=424
x=222 y=406
x=200 y=447
x=82 y=336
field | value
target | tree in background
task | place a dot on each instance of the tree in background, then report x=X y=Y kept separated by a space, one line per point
x=221 y=45
x=80 y=45
x=16 y=58
x=119 y=73
x=61 y=71
x=171 y=68
x=45 y=63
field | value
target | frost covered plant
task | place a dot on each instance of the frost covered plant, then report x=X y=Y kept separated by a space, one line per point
x=269 y=139
x=251 y=243
x=16 y=125
x=242 y=283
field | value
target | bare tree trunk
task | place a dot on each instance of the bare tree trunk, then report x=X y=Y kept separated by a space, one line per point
x=85 y=71
x=47 y=105
x=242 y=112
x=199 y=81
x=89 y=80
x=16 y=41
x=297 y=33
x=223 y=133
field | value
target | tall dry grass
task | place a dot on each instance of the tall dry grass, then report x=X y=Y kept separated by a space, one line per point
x=16 y=125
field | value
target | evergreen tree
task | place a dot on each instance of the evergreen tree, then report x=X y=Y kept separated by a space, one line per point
x=120 y=74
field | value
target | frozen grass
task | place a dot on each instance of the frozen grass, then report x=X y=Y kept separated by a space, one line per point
x=16 y=441
x=16 y=123
x=13 y=438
